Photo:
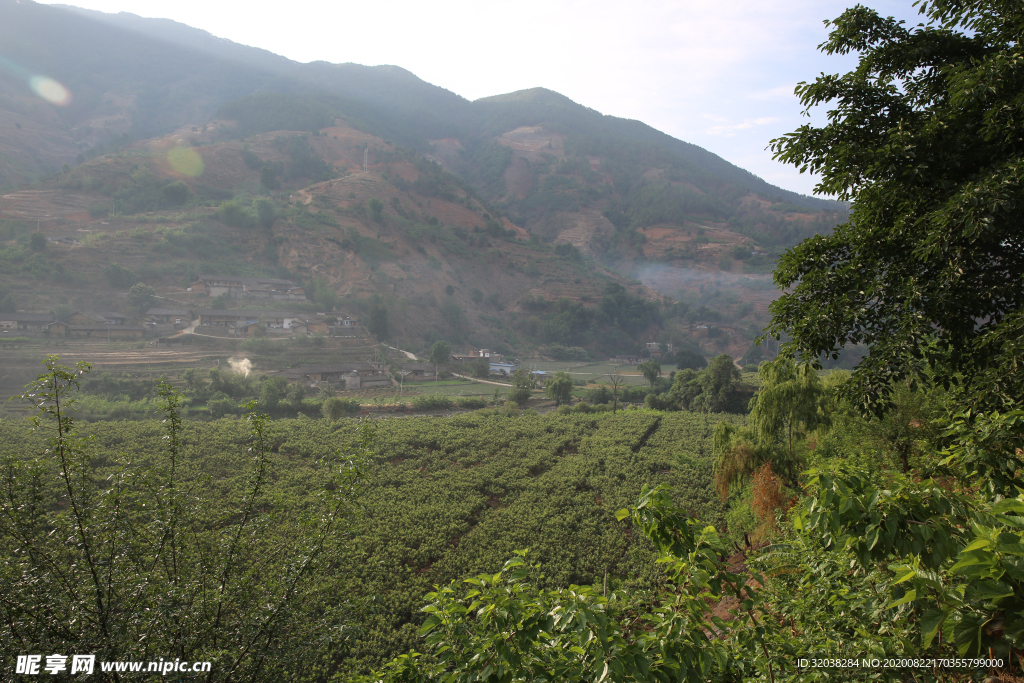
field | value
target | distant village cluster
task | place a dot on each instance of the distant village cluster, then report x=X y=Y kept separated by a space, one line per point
x=160 y=321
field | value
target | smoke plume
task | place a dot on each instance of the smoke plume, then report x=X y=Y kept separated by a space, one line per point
x=242 y=366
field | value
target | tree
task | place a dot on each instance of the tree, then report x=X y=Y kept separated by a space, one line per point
x=792 y=401
x=718 y=385
x=7 y=304
x=479 y=368
x=923 y=141
x=273 y=390
x=559 y=388
x=377 y=209
x=265 y=212
x=651 y=370
x=440 y=353
x=616 y=380
x=690 y=360
x=334 y=408
x=378 y=318
x=522 y=386
x=140 y=298
x=118 y=276
x=176 y=193
x=133 y=561
x=268 y=178
x=454 y=317
x=37 y=241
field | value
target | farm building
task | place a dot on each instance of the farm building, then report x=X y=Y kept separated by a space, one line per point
x=102 y=331
x=342 y=375
x=25 y=321
x=249 y=287
x=179 y=317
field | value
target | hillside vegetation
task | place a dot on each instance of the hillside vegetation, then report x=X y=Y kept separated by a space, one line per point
x=510 y=197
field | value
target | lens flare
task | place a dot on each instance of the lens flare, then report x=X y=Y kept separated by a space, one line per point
x=186 y=161
x=50 y=90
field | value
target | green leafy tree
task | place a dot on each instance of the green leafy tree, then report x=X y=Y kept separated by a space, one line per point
x=142 y=560
x=927 y=271
x=118 y=276
x=651 y=371
x=37 y=241
x=377 y=209
x=269 y=179
x=265 y=212
x=7 y=304
x=559 y=388
x=480 y=368
x=522 y=386
x=455 y=319
x=378 y=319
x=176 y=193
x=334 y=408
x=440 y=353
x=272 y=391
x=690 y=360
x=791 y=402
x=140 y=298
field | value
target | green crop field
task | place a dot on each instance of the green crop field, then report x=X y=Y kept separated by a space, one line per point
x=449 y=497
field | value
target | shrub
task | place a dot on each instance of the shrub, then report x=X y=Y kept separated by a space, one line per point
x=431 y=402
x=470 y=402
x=337 y=408
x=230 y=213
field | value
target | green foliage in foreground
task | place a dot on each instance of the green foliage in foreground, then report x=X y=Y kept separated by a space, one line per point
x=441 y=499
x=148 y=556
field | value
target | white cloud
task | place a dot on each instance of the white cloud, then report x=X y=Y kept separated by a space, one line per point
x=745 y=125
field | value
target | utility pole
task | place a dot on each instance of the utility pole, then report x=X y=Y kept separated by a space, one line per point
x=366 y=153
x=401 y=385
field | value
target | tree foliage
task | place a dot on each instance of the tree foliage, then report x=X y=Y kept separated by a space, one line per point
x=559 y=388
x=141 y=559
x=923 y=139
x=140 y=298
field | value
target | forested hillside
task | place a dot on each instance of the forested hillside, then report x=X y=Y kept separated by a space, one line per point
x=532 y=164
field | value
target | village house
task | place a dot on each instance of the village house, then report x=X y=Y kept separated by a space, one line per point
x=101 y=331
x=342 y=375
x=654 y=349
x=249 y=287
x=240 y=318
x=31 y=322
x=309 y=326
x=474 y=354
x=179 y=317
x=502 y=369
x=422 y=371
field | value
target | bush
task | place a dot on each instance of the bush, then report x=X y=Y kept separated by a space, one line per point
x=431 y=402
x=120 y=277
x=471 y=402
x=337 y=408
x=219 y=407
x=230 y=213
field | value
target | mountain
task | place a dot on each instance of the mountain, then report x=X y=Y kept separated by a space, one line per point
x=531 y=173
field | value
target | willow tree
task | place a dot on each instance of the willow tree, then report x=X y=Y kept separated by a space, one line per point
x=792 y=402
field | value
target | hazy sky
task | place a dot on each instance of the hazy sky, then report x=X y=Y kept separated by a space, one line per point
x=717 y=73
